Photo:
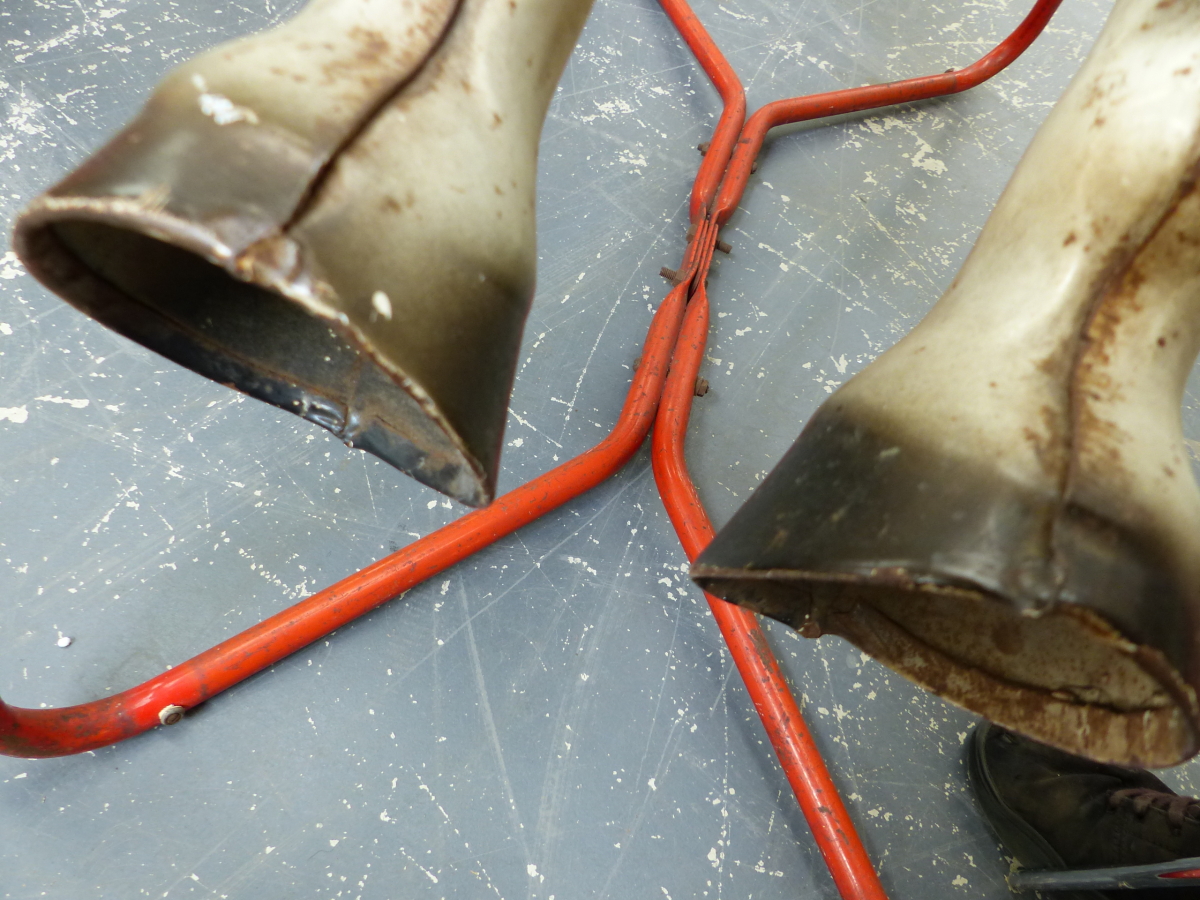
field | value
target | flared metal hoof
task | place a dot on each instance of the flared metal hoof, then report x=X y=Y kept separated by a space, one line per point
x=1001 y=506
x=336 y=217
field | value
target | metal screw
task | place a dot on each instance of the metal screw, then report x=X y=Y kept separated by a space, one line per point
x=701 y=387
x=171 y=714
x=724 y=246
x=670 y=274
x=703 y=147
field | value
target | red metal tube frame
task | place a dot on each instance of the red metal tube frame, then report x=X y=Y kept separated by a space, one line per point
x=718 y=188
x=826 y=814
x=801 y=760
x=838 y=103
x=733 y=106
x=827 y=817
x=76 y=729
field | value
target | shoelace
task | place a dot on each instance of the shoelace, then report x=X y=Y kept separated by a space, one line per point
x=1142 y=799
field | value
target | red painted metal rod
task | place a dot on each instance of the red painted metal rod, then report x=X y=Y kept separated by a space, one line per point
x=733 y=103
x=162 y=700
x=817 y=795
x=822 y=806
x=827 y=817
x=837 y=103
x=76 y=729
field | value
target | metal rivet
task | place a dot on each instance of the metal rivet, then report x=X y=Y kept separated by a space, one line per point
x=171 y=714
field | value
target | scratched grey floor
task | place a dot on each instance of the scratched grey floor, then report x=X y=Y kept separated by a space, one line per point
x=556 y=717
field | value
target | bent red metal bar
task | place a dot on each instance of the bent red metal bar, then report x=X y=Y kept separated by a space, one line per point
x=674 y=342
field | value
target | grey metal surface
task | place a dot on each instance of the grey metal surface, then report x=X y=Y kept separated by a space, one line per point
x=555 y=717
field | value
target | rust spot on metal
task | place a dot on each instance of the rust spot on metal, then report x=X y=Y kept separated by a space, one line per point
x=372 y=63
x=1095 y=439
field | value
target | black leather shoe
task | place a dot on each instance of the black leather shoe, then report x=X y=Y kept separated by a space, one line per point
x=1052 y=810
